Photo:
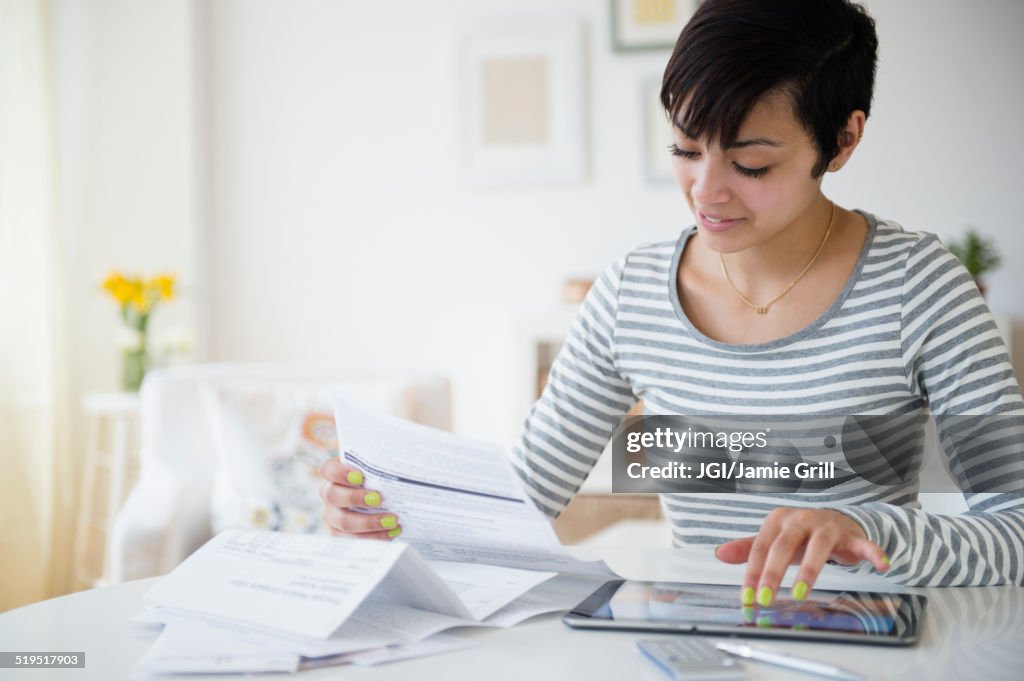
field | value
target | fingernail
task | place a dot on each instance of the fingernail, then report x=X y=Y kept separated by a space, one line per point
x=764 y=622
x=747 y=595
x=354 y=477
x=885 y=559
x=764 y=597
x=800 y=590
x=388 y=521
x=395 y=532
x=747 y=613
x=372 y=499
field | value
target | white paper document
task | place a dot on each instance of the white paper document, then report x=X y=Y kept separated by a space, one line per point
x=457 y=499
x=561 y=593
x=487 y=588
x=300 y=584
x=474 y=552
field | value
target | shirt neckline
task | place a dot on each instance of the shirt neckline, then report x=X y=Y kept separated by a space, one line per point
x=798 y=335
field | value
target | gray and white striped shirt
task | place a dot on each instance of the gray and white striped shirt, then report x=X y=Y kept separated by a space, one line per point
x=908 y=332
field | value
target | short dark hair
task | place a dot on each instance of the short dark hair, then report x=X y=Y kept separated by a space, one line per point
x=822 y=53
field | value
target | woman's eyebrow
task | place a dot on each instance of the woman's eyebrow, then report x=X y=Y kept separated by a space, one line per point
x=738 y=144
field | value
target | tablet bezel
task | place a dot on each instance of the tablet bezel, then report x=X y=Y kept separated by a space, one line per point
x=581 y=617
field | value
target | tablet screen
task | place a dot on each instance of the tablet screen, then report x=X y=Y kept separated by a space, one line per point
x=716 y=608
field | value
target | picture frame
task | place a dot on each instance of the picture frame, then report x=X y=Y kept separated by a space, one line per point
x=657 y=133
x=521 y=86
x=644 y=25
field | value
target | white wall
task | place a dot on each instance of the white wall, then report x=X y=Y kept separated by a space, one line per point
x=339 y=232
x=300 y=156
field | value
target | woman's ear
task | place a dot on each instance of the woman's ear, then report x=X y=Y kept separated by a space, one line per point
x=849 y=137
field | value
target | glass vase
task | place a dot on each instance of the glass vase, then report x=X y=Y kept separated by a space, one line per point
x=134 y=364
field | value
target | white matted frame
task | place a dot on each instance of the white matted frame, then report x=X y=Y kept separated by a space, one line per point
x=521 y=86
x=657 y=134
x=649 y=24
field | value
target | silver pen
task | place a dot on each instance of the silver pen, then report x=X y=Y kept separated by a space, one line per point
x=786 y=660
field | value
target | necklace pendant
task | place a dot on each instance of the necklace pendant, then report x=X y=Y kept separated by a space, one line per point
x=761 y=309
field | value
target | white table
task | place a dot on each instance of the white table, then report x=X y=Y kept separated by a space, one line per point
x=968 y=633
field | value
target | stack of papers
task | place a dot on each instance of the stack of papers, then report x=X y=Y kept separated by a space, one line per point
x=474 y=552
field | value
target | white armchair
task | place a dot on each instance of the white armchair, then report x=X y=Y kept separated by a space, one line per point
x=168 y=513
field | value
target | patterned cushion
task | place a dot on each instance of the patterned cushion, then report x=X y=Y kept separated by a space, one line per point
x=272 y=438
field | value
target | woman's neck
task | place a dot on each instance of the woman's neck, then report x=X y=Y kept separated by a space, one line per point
x=765 y=268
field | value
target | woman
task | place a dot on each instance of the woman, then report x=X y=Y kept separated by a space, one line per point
x=780 y=302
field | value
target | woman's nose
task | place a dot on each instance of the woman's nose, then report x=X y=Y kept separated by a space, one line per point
x=710 y=184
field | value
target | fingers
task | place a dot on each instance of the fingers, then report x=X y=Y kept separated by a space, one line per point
x=735 y=551
x=787 y=548
x=751 y=590
x=383 y=535
x=847 y=549
x=347 y=497
x=809 y=537
x=863 y=549
x=362 y=524
x=819 y=548
x=338 y=473
x=342 y=491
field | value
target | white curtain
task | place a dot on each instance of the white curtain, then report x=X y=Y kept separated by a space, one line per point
x=37 y=485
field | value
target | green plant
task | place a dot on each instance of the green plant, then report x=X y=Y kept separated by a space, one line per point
x=978 y=254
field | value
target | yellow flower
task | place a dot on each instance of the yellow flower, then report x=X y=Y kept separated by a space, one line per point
x=164 y=286
x=118 y=287
x=138 y=298
x=138 y=293
x=112 y=280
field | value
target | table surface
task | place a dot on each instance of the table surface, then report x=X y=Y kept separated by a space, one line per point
x=968 y=633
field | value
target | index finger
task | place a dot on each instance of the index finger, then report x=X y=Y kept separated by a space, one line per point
x=335 y=471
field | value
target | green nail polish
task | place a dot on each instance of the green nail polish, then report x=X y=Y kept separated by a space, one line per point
x=395 y=532
x=388 y=522
x=354 y=477
x=764 y=597
x=747 y=595
x=372 y=499
x=764 y=622
x=885 y=559
x=800 y=590
x=747 y=613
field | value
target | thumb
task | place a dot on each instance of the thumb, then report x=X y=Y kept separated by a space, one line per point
x=856 y=549
x=735 y=551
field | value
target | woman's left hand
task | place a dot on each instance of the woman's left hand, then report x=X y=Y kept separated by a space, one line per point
x=808 y=537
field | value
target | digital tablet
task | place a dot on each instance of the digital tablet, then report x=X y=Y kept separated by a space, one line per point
x=835 y=616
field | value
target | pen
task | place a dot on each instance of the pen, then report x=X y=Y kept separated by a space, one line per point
x=787 y=660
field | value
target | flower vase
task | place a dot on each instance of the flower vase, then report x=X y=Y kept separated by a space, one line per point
x=134 y=363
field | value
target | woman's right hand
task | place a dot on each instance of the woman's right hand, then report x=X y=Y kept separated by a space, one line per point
x=342 y=490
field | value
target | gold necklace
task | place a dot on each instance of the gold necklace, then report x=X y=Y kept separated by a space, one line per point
x=763 y=309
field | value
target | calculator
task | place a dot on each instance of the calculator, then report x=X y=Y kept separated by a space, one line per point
x=691 y=659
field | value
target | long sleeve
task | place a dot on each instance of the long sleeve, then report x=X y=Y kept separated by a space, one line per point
x=956 y=360
x=585 y=399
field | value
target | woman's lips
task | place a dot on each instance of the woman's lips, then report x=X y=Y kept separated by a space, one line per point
x=717 y=223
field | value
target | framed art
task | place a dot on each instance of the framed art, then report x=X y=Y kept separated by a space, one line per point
x=657 y=135
x=648 y=24
x=521 y=90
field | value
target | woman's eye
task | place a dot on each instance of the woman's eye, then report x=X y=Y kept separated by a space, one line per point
x=676 y=151
x=742 y=170
x=750 y=172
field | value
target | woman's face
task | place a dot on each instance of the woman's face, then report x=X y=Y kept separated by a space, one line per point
x=753 y=191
